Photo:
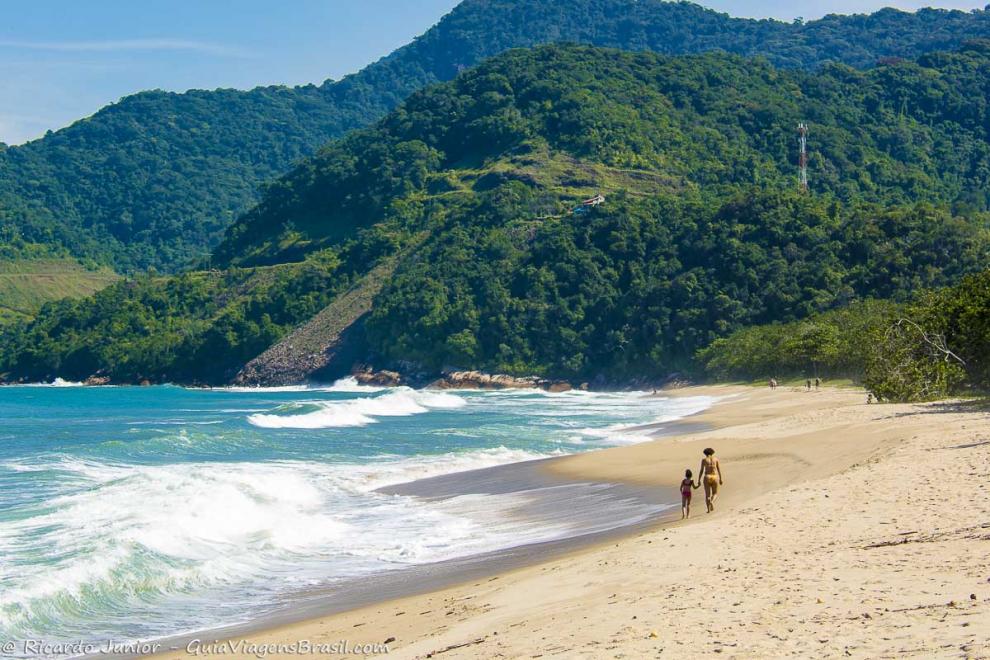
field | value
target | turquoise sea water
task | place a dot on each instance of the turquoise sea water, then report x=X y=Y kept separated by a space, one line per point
x=135 y=513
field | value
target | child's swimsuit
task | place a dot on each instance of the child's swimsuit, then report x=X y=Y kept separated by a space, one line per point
x=686 y=489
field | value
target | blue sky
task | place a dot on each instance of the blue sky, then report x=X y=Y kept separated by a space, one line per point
x=61 y=60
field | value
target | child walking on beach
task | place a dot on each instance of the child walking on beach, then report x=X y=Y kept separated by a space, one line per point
x=686 y=485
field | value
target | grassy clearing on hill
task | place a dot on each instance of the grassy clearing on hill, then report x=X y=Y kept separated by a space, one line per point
x=27 y=284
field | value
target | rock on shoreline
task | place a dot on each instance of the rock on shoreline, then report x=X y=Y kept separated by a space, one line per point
x=449 y=380
x=483 y=381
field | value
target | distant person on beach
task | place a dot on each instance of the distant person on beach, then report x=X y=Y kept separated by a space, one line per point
x=773 y=383
x=711 y=477
x=808 y=384
x=818 y=382
x=687 y=484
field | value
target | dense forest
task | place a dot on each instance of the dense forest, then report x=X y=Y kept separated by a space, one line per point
x=152 y=181
x=474 y=184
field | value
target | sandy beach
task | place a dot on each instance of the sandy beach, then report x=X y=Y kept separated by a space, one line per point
x=843 y=530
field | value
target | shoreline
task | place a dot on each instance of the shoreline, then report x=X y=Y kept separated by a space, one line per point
x=530 y=476
x=803 y=557
x=631 y=387
x=417 y=581
x=354 y=594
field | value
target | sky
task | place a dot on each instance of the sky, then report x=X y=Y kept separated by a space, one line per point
x=61 y=60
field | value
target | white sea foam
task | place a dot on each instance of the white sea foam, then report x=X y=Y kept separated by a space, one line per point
x=350 y=384
x=260 y=389
x=628 y=434
x=126 y=536
x=58 y=382
x=399 y=402
x=618 y=434
x=390 y=472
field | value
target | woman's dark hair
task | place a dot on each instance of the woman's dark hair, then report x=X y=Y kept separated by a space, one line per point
x=708 y=451
x=687 y=474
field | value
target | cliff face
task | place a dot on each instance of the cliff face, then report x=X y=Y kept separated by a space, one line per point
x=328 y=344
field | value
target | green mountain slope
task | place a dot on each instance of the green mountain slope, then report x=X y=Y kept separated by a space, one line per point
x=572 y=120
x=703 y=230
x=155 y=179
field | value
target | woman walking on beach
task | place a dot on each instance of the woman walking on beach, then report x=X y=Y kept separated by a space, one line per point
x=711 y=477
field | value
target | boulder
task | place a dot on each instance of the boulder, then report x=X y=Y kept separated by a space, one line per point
x=382 y=378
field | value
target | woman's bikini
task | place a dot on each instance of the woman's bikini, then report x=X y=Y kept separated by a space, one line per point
x=711 y=473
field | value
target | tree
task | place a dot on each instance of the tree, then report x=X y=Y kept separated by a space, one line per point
x=909 y=363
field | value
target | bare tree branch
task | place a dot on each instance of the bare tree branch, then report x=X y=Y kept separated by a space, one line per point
x=936 y=342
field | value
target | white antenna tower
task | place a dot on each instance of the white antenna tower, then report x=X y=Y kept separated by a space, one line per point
x=803 y=156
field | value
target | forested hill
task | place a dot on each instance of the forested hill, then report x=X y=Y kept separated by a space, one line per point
x=470 y=188
x=155 y=179
x=565 y=119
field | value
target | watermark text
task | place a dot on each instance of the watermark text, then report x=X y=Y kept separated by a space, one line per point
x=241 y=648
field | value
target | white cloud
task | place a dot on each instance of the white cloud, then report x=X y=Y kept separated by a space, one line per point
x=118 y=45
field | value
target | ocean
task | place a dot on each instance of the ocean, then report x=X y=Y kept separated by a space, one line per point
x=140 y=512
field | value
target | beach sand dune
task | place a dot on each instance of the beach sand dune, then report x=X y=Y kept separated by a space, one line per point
x=844 y=530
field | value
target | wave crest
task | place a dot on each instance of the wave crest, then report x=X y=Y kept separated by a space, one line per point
x=400 y=402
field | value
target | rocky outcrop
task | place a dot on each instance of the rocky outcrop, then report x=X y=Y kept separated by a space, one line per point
x=327 y=344
x=384 y=378
x=483 y=381
x=412 y=376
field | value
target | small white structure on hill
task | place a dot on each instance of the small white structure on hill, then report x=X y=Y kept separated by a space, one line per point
x=589 y=203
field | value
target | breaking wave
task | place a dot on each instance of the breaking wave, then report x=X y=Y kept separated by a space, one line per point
x=399 y=402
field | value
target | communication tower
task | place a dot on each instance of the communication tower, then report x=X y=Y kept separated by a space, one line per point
x=803 y=156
